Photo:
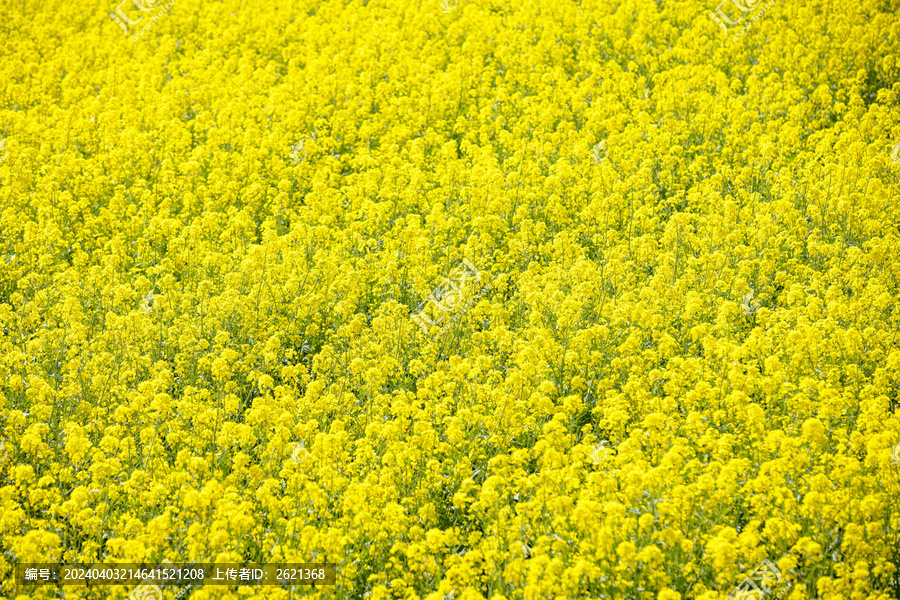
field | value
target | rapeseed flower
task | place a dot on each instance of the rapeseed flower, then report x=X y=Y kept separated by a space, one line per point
x=679 y=361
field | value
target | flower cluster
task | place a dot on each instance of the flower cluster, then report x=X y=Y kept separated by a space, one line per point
x=687 y=361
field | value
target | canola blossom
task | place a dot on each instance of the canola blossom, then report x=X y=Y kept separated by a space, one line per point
x=568 y=299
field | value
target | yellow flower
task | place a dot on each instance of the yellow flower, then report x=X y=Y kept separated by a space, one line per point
x=671 y=354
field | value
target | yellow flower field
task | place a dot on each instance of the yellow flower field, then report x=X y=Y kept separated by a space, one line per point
x=593 y=299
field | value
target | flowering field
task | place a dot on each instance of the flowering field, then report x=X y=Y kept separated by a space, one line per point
x=468 y=298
